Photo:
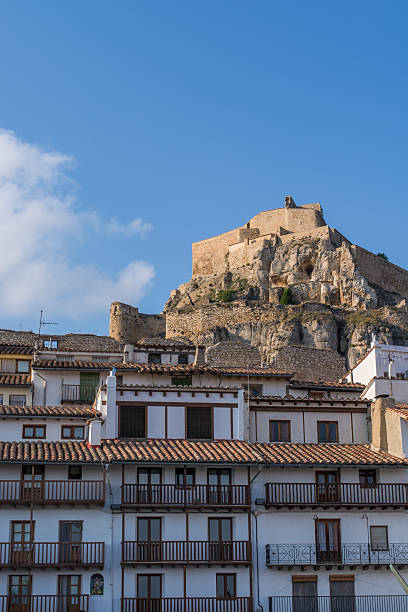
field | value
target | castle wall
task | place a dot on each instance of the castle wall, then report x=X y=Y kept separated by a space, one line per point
x=128 y=325
x=380 y=272
x=209 y=256
x=310 y=364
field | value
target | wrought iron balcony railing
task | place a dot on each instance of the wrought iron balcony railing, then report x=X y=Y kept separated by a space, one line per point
x=195 y=496
x=358 y=603
x=82 y=394
x=192 y=551
x=346 y=554
x=51 y=554
x=341 y=494
x=52 y=491
x=44 y=603
x=186 y=604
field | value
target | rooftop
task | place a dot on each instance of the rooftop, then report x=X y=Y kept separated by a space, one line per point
x=18 y=380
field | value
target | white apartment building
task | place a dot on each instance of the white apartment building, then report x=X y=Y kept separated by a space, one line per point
x=183 y=487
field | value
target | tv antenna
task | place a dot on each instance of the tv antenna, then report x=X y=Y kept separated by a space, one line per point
x=43 y=323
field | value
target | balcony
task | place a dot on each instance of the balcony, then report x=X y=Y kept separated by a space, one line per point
x=194 y=552
x=348 y=495
x=52 y=492
x=186 y=604
x=79 y=394
x=52 y=554
x=196 y=496
x=359 y=603
x=44 y=603
x=352 y=555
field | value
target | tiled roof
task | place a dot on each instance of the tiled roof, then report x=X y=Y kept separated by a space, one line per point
x=15 y=379
x=326 y=454
x=291 y=400
x=188 y=451
x=147 y=368
x=84 y=412
x=16 y=349
x=326 y=385
x=402 y=410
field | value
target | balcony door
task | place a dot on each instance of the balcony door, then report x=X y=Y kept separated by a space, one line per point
x=149 y=545
x=32 y=482
x=219 y=489
x=70 y=538
x=19 y=593
x=22 y=535
x=328 y=546
x=149 y=592
x=69 y=591
x=149 y=489
x=88 y=382
x=342 y=598
x=220 y=536
x=305 y=594
x=327 y=487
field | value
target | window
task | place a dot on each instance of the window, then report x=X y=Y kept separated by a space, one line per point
x=22 y=534
x=147 y=476
x=149 y=587
x=99 y=358
x=316 y=395
x=132 y=421
x=23 y=366
x=154 y=358
x=328 y=549
x=220 y=529
x=1 y=399
x=51 y=343
x=88 y=383
x=8 y=366
x=119 y=380
x=279 y=431
x=182 y=381
x=70 y=586
x=342 y=594
x=225 y=586
x=34 y=431
x=400 y=374
x=379 y=538
x=73 y=432
x=183 y=359
x=185 y=477
x=304 y=587
x=70 y=538
x=255 y=390
x=148 y=529
x=199 y=423
x=327 y=431
x=367 y=478
x=17 y=400
x=19 y=592
x=74 y=472
x=219 y=476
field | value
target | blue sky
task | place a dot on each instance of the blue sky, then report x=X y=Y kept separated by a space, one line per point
x=189 y=117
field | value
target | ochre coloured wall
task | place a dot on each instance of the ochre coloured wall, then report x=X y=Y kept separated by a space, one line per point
x=381 y=272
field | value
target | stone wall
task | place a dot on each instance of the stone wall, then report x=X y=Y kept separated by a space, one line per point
x=310 y=364
x=233 y=354
x=380 y=272
x=128 y=325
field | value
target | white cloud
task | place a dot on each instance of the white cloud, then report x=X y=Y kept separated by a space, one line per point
x=137 y=226
x=39 y=226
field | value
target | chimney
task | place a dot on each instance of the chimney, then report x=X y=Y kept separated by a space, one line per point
x=379 y=439
x=109 y=410
x=390 y=367
x=199 y=359
x=128 y=353
x=95 y=432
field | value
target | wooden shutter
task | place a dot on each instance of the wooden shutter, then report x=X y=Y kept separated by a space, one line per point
x=132 y=422
x=199 y=423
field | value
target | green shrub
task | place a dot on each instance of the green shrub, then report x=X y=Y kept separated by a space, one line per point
x=383 y=255
x=226 y=295
x=286 y=297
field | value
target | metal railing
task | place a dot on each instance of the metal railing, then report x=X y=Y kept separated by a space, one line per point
x=358 y=603
x=237 y=551
x=341 y=494
x=185 y=496
x=79 y=393
x=45 y=603
x=346 y=554
x=186 y=604
x=52 y=491
x=45 y=554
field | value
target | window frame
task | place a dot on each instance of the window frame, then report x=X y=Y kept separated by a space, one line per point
x=379 y=547
x=120 y=418
x=366 y=485
x=34 y=436
x=78 y=467
x=183 y=472
x=280 y=423
x=225 y=576
x=149 y=520
x=210 y=410
x=327 y=424
x=184 y=359
x=72 y=428
x=24 y=361
x=182 y=381
x=19 y=404
x=149 y=576
x=149 y=471
x=154 y=358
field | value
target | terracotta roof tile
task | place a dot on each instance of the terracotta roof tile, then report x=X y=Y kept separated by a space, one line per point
x=15 y=379
x=326 y=385
x=16 y=349
x=188 y=451
x=402 y=410
x=84 y=412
